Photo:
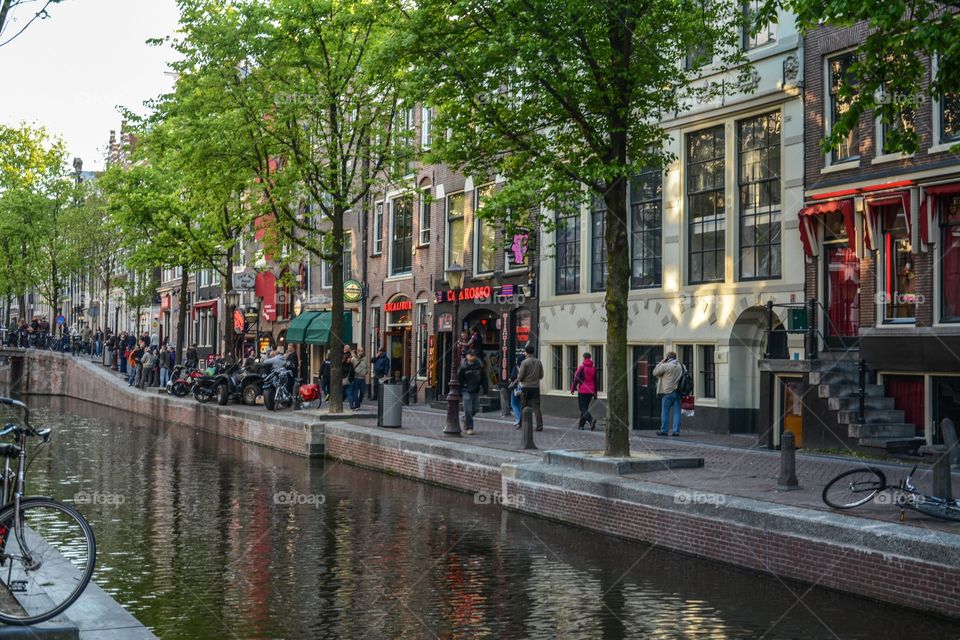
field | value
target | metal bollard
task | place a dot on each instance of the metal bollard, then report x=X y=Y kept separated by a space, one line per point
x=505 y=408
x=526 y=433
x=942 y=482
x=788 y=463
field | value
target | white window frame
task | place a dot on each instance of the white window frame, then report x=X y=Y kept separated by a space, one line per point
x=446 y=224
x=378 y=228
x=829 y=160
x=393 y=217
x=425 y=223
x=426 y=126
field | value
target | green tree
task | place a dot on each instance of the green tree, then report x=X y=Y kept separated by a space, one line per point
x=564 y=99
x=890 y=75
x=311 y=89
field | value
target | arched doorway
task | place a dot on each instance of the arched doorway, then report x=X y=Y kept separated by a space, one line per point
x=748 y=343
x=397 y=337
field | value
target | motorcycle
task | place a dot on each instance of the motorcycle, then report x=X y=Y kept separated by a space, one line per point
x=205 y=387
x=182 y=380
x=281 y=389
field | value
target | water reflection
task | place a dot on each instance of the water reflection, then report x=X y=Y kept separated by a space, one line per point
x=200 y=548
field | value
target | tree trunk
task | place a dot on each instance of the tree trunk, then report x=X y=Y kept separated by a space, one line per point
x=336 y=308
x=615 y=302
x=182 y=316
x=106 y=303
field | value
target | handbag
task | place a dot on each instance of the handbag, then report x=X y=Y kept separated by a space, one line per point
x=687 y=404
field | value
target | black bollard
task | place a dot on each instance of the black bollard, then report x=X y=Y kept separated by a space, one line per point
x=505 y=408
x=788 y=463
x=526 y=433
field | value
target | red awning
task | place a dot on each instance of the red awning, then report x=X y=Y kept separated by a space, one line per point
x=871 y=214
x=205 y=304
x=265 y=288
x=807 y=226
x=928 y=209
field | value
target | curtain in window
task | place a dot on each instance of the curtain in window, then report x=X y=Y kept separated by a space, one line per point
x=907 y=394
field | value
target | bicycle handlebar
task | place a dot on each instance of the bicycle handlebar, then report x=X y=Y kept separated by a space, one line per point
x=10 y=402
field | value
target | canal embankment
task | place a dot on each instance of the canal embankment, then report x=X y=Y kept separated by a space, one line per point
x=904 y=564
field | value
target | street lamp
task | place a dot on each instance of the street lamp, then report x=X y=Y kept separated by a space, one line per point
x=455 y=276
x=233 y=300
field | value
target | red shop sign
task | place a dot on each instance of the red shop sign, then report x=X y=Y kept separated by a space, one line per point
x=470 y=293
x=404 y=305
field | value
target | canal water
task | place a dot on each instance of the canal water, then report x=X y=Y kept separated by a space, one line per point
x=204 y=538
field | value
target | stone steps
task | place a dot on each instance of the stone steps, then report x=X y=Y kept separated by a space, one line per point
x=853 y=404
x=881 y=430
x=849 y=390
x=871 y=416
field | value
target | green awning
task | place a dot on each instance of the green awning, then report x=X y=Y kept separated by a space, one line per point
x=298 y=326
x=318 y=330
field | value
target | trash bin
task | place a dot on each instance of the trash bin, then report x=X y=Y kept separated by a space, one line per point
x=390 y=404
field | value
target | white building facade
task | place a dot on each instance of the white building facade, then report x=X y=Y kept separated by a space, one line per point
x=713 y=238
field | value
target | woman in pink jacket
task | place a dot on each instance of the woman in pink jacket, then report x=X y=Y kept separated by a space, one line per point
x=585 y=386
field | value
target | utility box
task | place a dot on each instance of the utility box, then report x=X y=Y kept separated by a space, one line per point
x=797 y=320
x=390 y=404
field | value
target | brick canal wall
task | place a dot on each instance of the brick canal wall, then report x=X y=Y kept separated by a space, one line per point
x=903 y=565
x=50 y=373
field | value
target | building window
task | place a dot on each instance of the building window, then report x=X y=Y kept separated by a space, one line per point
x=697 y=56
x=375 y=333
x=646 y=219
x=378 y=229
x=425 y=217
x=347 y=255
x=568 y=252
x=422 y=333
x=517 y=254
x=705 y=204
x=598 y=363
x=455 y=228
x=903 y=121
x=326 y=275
x=598 y=245
x=558 y=367
x=485 y=238
x=950 y=118
x=838 y=69
x=950 y=259
x=685 y=356
x=402 y=244
x=572 y=363
x=708 y=372
x=899 y=276
x=767 y=33
x=426 y=126
x=759 y=181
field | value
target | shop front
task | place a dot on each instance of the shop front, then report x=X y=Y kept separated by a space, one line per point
x=505 y=318
x=398 y=335
x=310 y=332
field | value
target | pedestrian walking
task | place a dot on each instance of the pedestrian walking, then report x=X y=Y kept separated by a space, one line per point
x=516 y=392
x=585 y=386
x=147 y=361
x=325 y=369
x=164 y=366
x=361 y=366
x=347 y=374
x=668 y=373
x=529 y=377
x=472 y=381
x=136 y=359
x=193 y=357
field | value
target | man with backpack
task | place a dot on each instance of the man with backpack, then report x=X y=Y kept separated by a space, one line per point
x=673 y=382
x=472 y=381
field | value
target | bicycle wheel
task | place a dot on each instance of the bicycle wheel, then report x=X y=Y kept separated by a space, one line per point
x=854 y=488
x=46 y=566
x=944 y=510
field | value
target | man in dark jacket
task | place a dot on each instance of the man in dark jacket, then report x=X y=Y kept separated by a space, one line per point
x=381 y=369
x=472 y=382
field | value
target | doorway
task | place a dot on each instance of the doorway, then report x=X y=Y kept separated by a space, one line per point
x=646 y=408
x=399 y=349
x=791 y=409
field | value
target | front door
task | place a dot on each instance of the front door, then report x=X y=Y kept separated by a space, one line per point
x=398 y=348
x=842 y=296
x=646 y=408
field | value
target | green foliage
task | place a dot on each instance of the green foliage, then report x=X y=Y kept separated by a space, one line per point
x=890 y=77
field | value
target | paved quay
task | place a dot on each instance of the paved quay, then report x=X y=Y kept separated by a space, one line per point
x=734 y=465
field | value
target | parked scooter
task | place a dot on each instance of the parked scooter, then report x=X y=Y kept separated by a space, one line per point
x=281 y=389
x=239 y=383
x=205 y=387
x=182 y=379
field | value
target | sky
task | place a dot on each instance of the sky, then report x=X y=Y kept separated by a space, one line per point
x=70 y=71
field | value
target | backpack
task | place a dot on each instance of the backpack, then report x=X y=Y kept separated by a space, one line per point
x=685 y=386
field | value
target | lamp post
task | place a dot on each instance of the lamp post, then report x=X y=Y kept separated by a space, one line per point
x=455 y=275
x=233 y=299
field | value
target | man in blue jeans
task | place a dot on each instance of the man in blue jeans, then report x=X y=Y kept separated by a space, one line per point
x=473 y=380
x=668 y=374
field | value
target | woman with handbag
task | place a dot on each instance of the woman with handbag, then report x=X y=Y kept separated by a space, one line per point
x=585 y=386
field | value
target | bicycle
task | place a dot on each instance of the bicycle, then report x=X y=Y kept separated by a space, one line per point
x=857 y=487
x=47 y=549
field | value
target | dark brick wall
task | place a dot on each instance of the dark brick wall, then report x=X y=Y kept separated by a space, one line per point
x=818 y=45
